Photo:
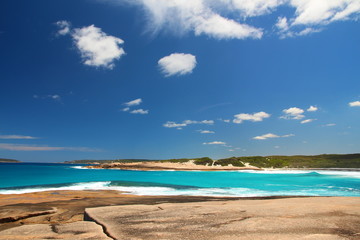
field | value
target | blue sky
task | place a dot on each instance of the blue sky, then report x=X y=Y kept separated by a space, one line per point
x=164 y=79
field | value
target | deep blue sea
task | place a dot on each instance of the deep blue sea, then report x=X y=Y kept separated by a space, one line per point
x=34 y=177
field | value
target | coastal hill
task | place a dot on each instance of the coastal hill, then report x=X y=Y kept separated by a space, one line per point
x=5 y=160
x=297 y=161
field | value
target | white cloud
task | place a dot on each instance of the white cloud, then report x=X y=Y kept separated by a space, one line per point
x=139 y=111
x=201 y=17
x=126 y=109
x=219 y=27
x=54 y=97
x=354 y=104
x=282 y=24
x=329 y=125
x=256 y=117
x=271 y=135
x=64 y=27
x=293 y=113
x=170 y=124
x=16 y=137
x=206 y=131
x=250 y=8
x=210 y=122
x=96 y=47
x=307 y=121
x=135 y=102
x=312 y=109
x=185 y=123
x=215 y=143
x=311 y=15
x=230 y=19
x=323 y=12
x=23 y=147
x=177 y=64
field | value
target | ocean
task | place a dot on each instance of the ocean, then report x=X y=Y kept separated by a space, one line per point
x=16 y=178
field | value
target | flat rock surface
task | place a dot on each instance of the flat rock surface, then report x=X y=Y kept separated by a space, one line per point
x=73 y=231
x=291 y=218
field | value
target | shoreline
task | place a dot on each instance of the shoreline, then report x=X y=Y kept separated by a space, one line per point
x=166 y=166
x=284 y=215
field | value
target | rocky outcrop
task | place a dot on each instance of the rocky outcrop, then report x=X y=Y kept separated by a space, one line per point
x=292 y=218
x=74 y=231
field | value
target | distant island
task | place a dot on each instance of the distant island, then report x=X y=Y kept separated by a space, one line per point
x=5 y=160
x=251 y=162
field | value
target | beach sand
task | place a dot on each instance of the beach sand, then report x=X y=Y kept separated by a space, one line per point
x=158 y=166
x=113 y=215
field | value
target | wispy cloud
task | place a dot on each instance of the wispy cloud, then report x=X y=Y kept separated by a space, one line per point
x=177 y=64
x=293 y=113
x=197 y=16
x=329 y=125
x=215 y=143
x=139 y=111
x=16 y=137
x=55 y=97
x=97 y=49
x=134 y=102
x=354 y=104
x=206 y=131
x=271 y=135
x=64 y=27
x=185 y=123
x=307 y=121
x=232 y=19
x=23 y=147
x=255 y=117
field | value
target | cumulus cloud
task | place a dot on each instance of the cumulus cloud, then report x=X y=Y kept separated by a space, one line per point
x=307 y=121
x=23 y=147
x=177 y=64
x=206 y=131
x=185 y=123
x=271 y=135
x=312 y=109
x=354 y=104
x=293 y=113
x=215 y=143
x=255 y=117
x=64 y=27
x=96 y=47
x=134 y=102
x=139 y=111
x=16 y=137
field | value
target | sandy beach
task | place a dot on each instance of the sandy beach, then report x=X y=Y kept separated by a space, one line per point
x=158 y=166
x=113 y=215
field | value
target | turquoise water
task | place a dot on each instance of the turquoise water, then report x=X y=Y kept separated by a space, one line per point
x=33 y=177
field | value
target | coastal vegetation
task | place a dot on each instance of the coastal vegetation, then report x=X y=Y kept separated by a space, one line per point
x=297 y=161
x=5 y=160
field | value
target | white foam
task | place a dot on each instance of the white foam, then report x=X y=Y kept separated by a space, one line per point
x=167 y=191
x=77 y=186
x=79 y=167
